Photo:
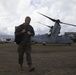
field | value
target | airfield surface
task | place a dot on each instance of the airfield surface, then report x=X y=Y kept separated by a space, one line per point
x=47 y=60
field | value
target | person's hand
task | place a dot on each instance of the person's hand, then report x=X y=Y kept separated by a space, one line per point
x=23 y=30
x=29 y=33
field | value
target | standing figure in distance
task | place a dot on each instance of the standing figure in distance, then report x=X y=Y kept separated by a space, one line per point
x=25 y=45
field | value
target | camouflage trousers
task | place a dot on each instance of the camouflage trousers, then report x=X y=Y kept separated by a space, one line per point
x=24 y=48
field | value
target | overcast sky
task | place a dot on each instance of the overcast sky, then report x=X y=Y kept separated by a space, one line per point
x=13 y=13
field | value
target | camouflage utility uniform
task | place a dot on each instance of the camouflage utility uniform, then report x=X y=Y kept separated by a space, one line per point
x=25 y=44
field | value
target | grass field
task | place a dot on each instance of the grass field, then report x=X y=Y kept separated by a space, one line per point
x=48 y=60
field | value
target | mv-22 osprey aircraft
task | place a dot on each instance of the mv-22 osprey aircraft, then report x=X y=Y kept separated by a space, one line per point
x=53 y=36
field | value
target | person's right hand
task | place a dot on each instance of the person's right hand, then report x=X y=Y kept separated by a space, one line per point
x=23 y=30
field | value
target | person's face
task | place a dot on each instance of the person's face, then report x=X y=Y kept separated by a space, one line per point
x=27 y=20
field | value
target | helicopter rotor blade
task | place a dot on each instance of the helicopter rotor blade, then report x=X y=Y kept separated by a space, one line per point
x=45 y=24
x=57 y=20
x=68 y=24
x=48 y=17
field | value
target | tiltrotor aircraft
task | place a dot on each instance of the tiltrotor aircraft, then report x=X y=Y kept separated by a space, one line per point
x=53 y=36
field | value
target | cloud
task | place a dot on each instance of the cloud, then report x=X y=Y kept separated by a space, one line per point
x=13 y=12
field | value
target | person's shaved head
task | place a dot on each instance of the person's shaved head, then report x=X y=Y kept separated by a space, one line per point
x=27 y=20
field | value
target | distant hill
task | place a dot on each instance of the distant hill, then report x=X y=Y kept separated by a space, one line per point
x=4 y=35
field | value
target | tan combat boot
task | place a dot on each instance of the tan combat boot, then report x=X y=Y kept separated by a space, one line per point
x=31 y=68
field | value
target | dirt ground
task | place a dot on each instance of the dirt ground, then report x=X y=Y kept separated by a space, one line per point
x=47 y=60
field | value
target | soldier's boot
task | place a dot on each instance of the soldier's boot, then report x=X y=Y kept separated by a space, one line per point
x=21 y=66
x=31 y=68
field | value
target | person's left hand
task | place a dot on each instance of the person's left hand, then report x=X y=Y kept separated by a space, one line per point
x=29 y=33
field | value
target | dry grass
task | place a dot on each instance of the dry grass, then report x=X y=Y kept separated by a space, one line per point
x=48 y=60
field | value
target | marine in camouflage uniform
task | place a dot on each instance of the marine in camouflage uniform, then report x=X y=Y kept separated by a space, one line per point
x=25 y=45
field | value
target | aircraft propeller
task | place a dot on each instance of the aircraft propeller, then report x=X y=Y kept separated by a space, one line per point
x=57 y=20
x=45 y=24
x=68 y=24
